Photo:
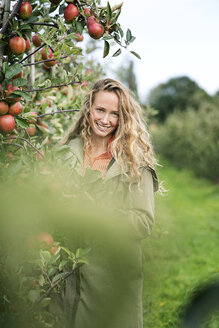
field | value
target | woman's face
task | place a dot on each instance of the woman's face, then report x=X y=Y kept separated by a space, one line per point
x=104 y=114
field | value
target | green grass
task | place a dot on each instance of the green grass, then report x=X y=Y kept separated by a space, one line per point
x=183 y=250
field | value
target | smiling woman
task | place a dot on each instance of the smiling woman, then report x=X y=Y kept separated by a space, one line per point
x=110 y=137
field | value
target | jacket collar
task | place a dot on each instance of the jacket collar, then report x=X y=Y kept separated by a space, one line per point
x=76 y=146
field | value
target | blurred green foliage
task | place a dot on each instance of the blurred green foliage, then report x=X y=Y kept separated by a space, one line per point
x=177 y=94
x=190 y=139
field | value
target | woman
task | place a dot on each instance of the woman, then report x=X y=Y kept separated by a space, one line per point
x=109 y=136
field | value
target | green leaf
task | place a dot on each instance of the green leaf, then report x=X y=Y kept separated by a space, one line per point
x=66 y=250
x=52 y=271
x=4 y=67
x=81 y=252
x=31 y=19
x=21 y=122
x=14 y=166
x=33 y=295
x=53 y=8
x=128 y=35
x=25 y=95
x=54 y=258
x=19 y=82
x=25 y=27
x=79 y=27
x=41 y=280
x=83 y=260
x=61 y=9
x=135 y=54
x=117 y=53
x=62 y=264
x=13 y=70
x=58 y=276
x=45 y=256
x=106 y=48
x=107 y=37
x=115 y=17
x=109 y=12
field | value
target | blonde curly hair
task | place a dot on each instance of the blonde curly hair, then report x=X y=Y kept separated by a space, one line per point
x=131 y=145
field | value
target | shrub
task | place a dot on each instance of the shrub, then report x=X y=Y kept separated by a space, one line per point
x=191 y=140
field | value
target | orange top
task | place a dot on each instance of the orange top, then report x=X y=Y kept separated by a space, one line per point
x=99 y=163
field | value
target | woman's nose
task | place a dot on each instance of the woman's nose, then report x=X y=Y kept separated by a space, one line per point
x=105 y=118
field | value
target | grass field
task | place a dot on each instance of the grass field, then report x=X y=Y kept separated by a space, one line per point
x=183 y=250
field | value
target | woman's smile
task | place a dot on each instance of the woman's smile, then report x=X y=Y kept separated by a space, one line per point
x=104 y=114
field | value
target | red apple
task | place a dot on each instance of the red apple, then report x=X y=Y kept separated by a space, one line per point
x=25 y=10
x=46 y=54
x=84 y=84
x=36 y=40
x=95 y=30
x=79 y=37
x=17 y=45
x=70 y=12
x=50 y=63
x=43 y=124
x=87 y=12
x=31 y=130
x=15 y=109
x=7 y=123
x=11 y=89
x=28 y=45
x=3 y=108
x=88 y=71
x=91 y=20
x=45 y=239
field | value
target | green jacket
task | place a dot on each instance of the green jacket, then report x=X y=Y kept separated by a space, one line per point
x=138 y=203
x=103 y=280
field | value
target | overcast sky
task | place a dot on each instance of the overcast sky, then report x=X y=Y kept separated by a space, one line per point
x=173 y=37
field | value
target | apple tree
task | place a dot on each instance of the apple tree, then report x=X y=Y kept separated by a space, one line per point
x=43 y=73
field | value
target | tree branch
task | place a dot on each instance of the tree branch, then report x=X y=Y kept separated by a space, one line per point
x=59 y=111
x=51 y=87
x=14 y=12
x=27 y=141
x=57 y=283
x=32 y=53
x=46 y=24
x=43 y=61
x=13 y=144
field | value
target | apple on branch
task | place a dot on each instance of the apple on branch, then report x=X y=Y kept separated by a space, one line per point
x=25 y=10
x=70 y=12
x=79 y=37
x=15 y=109
x=17 y=45
x=3 y=108
x=36 y=40
x=7 y=123
x=95 y=29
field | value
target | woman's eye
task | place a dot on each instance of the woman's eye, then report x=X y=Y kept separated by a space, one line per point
x=116 y=114
x=99 y=109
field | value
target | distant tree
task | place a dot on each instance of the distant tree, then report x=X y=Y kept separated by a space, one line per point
x=126 y=74
x=177 y=94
